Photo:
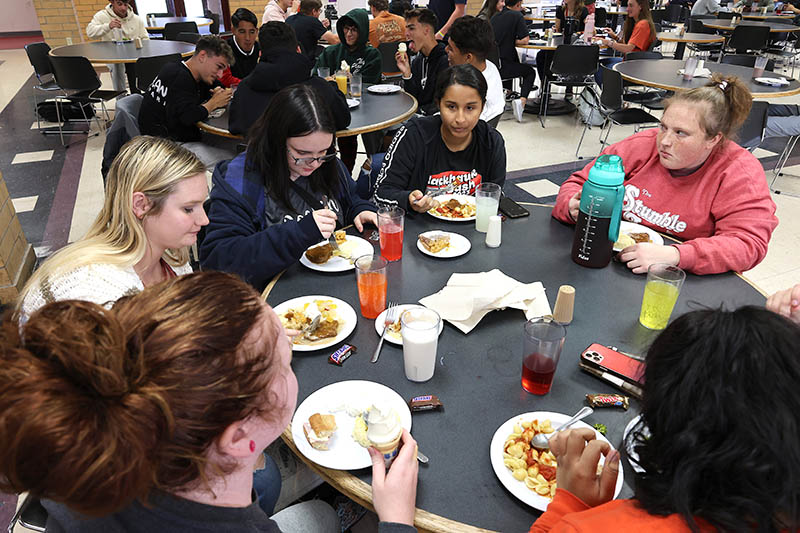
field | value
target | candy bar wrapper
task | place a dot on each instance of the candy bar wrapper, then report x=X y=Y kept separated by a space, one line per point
x=426 y=402
x=608 y=400
x=340 y=356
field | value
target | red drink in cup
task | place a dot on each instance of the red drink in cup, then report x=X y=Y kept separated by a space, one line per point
x=390 y=228
x=541 y=348
x=537 y=373
x=371 y=279
x=391 y=242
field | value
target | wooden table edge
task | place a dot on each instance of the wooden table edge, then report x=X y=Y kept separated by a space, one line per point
x=676 y=88
x=381 y=125
x=103 y=61
x=361 y=492
x=727 y=27
x=678 y=39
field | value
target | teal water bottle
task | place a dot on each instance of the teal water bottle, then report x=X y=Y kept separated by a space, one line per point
x=601 y=208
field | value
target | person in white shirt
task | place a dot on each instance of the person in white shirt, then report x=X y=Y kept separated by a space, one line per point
x=705 y=7
x=471 y=41
x=117 y=22
x=277 y=10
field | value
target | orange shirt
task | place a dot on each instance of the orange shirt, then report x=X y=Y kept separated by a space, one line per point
x=567 y=513
x=640 y=37
x=386 y=28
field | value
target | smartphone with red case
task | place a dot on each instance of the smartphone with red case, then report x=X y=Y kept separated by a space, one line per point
x=615 y=363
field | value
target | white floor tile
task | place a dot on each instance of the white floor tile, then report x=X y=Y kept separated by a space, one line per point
x=539 y=188
x=32 y=157
x=24 y=204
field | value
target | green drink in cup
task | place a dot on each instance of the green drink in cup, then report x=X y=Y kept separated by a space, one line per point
x=660 y=295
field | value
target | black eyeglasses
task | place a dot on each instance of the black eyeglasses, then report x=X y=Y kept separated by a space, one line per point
x=309 y=160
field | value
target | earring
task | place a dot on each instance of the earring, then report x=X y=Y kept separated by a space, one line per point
x=252 y=445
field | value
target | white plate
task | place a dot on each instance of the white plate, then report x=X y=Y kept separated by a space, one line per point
x=347 y=320
x=384 y=88
x=463 y=198
x=632 y=227
x=775 y=82
x=340 y=264
x=459 y=245
x=518 y=488
x=343 y=452
x=392 y=336
x=353 y=102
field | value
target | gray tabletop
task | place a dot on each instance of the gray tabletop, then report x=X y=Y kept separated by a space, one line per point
x=477 y=376
x=663 y=73
x=375 y=112
x=727 y=25
x=689 y=37
x=124 y=52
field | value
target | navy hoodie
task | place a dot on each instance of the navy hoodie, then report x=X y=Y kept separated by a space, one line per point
x=279 y=68
x=253 y=235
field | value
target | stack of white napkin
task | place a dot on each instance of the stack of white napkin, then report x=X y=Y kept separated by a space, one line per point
x=467 y=298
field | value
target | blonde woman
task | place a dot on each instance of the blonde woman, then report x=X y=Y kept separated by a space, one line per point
x=152 y=213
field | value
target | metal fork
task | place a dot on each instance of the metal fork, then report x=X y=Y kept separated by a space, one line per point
x=332 y=239
x=391 y=312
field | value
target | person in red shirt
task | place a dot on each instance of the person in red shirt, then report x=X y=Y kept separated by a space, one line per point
x=638 y=34
x=716 y=442
x=687 y=179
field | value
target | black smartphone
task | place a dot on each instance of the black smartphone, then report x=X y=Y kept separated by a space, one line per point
x=512 y=209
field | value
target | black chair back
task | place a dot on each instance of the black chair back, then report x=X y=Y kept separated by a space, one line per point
x=673 y=13
x=747 y=37
x=214 y=27
x=38 y=54
x=575 y=60
x=746 y=60
x=658 y=15
x=74 y=74
x=643 y=55
x=725 y=15
x=752 y=131
x=600 y=17
x=147 y=68
x=611 y=97
x=172 y=29
x=388 y=62
x=188 y=37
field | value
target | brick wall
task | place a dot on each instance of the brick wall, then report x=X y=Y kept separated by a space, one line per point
x=57 y=19
x=256 y=6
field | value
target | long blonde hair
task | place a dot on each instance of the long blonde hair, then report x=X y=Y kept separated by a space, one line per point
x=150 y=165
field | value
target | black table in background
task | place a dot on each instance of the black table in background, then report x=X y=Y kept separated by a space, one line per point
x=478 y=375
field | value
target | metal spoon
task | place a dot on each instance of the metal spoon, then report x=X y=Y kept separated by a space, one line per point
x=542 y=441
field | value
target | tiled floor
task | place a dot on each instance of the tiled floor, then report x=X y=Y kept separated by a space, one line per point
x=58 y=192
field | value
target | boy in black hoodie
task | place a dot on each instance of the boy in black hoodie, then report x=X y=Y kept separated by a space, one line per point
x=281 y=65
x=419 y=78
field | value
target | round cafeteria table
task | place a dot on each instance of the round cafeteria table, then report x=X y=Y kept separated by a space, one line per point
x=376 y=112
x=125 y=52
x=762 y=16
x=477 y=375
x=160 y=22
x=727 y=25
x=688 y=37
x=663 y=74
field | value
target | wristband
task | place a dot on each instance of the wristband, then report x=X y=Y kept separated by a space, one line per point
x=439 y=34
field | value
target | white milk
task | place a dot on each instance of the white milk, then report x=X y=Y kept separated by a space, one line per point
x=485 y=207
x=420 y=331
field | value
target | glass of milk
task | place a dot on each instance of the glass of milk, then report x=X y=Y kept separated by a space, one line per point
x=420 y=332
x=487 y=199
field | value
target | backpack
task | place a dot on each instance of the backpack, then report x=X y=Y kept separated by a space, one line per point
x=589 y=108
x=68 y=110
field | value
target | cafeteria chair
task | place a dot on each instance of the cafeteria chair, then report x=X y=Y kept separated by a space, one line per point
x=38 y=56
x=638 y=94
x=781 y=162
x=611 y=99
x=124 y=128
x=785 y=51
x=573 y=65
x=172 y=29
x=696 y=26
x=746 y=37
x=746 y=60
x=725 y=15
x=79 y=82
x=188 y=37
x=389 y=69
x=214 y=27
x=751 y=134
x=31 y=515
x=147 y=68
x=600 y=17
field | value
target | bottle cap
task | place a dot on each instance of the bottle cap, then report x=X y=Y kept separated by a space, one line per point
x=565 y=305
x=607 y=170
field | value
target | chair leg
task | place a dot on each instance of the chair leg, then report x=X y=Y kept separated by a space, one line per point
x=60 y=124
x=782 y=159
x=585 y=127
x=543 y=103
x=604 y=142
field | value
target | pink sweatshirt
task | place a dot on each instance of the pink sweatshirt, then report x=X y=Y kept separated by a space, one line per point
x=723 y=211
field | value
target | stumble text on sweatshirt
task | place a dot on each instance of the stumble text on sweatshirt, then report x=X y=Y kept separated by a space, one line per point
x=723 y=211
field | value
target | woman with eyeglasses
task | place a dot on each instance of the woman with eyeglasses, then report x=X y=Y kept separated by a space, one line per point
x=287 y=192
